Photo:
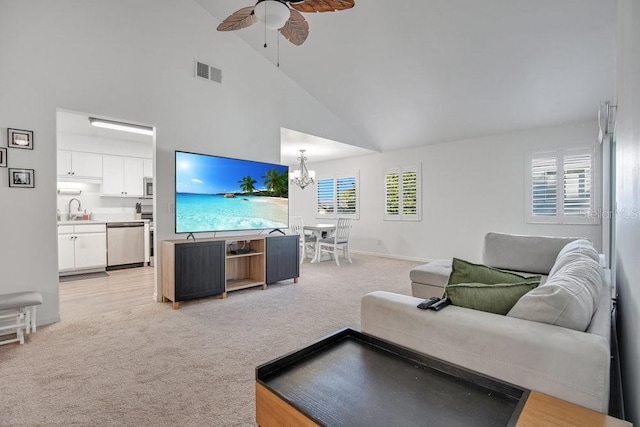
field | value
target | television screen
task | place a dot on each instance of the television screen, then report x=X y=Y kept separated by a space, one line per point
x=223 y=194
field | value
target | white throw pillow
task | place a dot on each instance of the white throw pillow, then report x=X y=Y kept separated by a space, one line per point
x=568 y=298
x=580 y=245
x=572 y=252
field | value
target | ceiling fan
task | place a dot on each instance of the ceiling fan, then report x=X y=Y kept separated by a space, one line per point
x=283 y=15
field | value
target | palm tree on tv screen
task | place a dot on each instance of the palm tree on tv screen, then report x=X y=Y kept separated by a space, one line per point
x=247 y=184
x=277 y=183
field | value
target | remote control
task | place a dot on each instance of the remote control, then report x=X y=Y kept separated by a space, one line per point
x=440 y=304
x=428 y=303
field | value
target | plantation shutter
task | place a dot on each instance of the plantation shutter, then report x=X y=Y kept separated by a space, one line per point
x=392 y=194
x=402 y=193
x=346 y=195
x=338 y=197
x=326 y=199
x=544 y=186
x=410 y=193
x=577 y=184
x=562 y=187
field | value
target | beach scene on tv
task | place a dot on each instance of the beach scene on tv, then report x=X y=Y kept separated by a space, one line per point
x=224 y=194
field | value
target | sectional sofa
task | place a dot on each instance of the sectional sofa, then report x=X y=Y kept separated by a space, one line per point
x=555 y=339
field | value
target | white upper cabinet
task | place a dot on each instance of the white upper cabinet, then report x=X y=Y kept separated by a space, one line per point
x=122 y=176
x=78 y=165
x=148 y=168
x=133 y=176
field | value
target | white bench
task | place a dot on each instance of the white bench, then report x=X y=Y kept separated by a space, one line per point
x=18 y=310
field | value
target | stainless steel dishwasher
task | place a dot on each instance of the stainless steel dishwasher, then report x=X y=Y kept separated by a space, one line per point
x=125 y=244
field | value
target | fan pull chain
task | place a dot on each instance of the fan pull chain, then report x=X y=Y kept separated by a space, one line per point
x=278 y=62
x=265 y=23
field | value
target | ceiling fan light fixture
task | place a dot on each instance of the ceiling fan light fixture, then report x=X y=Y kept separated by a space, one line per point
x=274 y=13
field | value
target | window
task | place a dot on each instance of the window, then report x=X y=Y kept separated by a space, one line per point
x=338 y=197
x=562 y=187
x=402 y=194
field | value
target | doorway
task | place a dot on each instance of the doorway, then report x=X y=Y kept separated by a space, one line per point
x=104 y=176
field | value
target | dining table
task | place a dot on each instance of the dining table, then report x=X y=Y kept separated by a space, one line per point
x=320 y=231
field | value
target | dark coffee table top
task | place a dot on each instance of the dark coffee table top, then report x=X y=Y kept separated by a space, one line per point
x=353 y=379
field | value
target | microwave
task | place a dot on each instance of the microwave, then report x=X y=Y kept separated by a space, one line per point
x=148 y=188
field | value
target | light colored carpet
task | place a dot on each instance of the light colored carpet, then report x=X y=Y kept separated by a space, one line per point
x=152 y=365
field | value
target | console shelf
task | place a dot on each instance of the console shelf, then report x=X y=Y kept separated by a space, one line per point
x=245 y=270
x=206 y=267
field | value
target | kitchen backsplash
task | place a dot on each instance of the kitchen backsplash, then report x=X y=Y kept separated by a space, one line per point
x=103 y=208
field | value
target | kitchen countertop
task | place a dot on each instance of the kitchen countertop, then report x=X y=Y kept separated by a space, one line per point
x=92 y=221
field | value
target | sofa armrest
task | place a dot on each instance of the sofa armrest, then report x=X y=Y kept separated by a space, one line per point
x=561 y=362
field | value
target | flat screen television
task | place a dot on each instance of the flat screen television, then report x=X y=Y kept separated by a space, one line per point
x=223 y=194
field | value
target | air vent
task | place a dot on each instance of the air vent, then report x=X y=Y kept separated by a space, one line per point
x=215 y=74
x=207 y=72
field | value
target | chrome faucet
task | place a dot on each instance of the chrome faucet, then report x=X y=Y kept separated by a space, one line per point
x=79 y=208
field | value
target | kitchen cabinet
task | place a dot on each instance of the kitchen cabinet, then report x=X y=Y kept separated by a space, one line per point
x=148 y=168
x=122 y=176
x=66 y=251
x=78 y=165
x=82 y=247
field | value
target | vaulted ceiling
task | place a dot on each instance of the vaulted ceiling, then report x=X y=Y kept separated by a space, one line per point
x=419 y=72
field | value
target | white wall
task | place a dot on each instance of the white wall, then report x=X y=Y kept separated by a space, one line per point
x=469 y=187
x=132 y=60
x=628 y=201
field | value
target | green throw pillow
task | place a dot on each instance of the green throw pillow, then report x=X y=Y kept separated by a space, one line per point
x=466 y=272
x=495 y=298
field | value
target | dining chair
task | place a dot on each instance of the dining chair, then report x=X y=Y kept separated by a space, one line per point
x=338 y=240
x=307 y=241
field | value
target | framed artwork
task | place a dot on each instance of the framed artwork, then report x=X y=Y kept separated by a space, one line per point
x=17 y=138
x=3 y=157
x=22 y=178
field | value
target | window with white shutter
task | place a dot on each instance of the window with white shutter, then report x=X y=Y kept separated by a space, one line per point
x=561 y=187
x=392 y=194
x=326 y=197
x=402 y=194
x=346 y=196
x=338 y=197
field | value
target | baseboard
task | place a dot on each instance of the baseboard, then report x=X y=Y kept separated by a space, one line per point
x=392 y=256
x=47 y=321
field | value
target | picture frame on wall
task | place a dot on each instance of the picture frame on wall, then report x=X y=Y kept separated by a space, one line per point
x=18 y=138
x=3 y=157
x=22 y=178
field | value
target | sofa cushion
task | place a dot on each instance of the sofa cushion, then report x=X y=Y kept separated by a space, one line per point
x=466 y=272
x=533 y=254
x=568 y=298
x=495 y=298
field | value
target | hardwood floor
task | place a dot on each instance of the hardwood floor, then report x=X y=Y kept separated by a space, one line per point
x=121 y=289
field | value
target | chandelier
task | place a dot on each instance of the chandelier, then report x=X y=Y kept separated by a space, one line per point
x=302 y=176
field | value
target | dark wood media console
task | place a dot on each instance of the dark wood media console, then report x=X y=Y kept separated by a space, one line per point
x=214 y=266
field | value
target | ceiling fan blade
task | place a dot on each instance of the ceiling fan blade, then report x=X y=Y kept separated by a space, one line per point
x=239 y=19
x=296 y=29
x=311 y=6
